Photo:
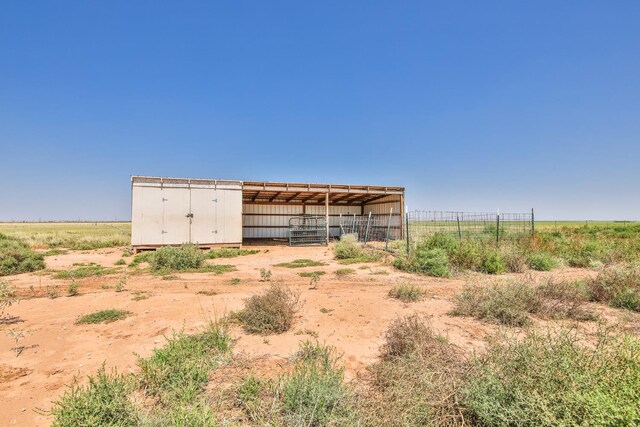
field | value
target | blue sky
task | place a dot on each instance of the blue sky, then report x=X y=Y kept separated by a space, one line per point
x=469 y=105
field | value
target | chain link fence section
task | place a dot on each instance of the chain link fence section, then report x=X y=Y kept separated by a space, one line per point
x=468 y=225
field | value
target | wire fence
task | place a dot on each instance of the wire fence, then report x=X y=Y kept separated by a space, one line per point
x=467 y=225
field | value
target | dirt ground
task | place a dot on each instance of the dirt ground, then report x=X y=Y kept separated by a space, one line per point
x=55 y=349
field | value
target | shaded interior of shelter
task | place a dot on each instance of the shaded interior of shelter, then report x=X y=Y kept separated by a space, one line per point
x=269 y=207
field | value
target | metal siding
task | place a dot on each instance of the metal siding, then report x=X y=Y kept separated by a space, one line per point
x=267 y=221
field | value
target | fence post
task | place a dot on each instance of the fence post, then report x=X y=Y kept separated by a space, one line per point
x=459 y=232
x=498 y=228
x=407 y=227
x=386 y=240
x=366 y=233
x=533 y=227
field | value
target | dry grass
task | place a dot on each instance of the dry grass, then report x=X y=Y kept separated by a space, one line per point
x=272 y=312
x=416 y=381
x=511 y=303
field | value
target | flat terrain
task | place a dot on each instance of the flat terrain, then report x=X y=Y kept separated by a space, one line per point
x=350 y=312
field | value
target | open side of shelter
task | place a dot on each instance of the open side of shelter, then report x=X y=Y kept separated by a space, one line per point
x=212 y=212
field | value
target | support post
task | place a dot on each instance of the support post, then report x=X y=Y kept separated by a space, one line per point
x=498 y=228
x=459 y=231
x=386 y=240
x=407 y=230
x=326 y=213
x=533 y=227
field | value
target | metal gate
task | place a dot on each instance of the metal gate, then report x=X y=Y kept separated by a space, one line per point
x=307 y=230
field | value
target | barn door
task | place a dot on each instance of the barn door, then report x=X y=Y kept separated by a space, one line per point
x=204 y=220
x=175 y=224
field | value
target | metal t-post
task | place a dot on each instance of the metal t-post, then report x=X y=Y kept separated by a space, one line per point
x=407 y=229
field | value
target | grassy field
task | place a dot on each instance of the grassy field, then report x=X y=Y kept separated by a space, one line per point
x=70 y=235
x=552 y=225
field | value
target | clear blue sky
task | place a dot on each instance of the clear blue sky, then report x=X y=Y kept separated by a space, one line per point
x=474 y=105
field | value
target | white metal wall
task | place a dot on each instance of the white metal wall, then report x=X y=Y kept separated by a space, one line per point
x=160 y=212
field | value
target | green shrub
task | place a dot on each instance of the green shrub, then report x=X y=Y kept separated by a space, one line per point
x=103 y=316
x=347 y=247
x=102 y=402
x=16 y=257
x=617 y=286
x=72 y=290
x=313 y=393
x=178 y=371
x=542 y=262
x=120 y=262
x=185 y=257
x=272 y=312
x=492 y=262
x=433 y=262
x=554 y=379
x=466 y=255
x=407 y=293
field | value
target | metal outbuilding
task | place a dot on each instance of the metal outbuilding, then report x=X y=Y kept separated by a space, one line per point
x=215 y=212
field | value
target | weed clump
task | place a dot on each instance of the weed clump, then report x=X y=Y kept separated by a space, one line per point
x=178 y=371
x=342 y=272
x=265 y=275
x=229 y=253
x=103 y=316
x=311 y=393
x=84 y=270
x=416 y=380
x=407 y=293
x=542 y=262
x=16 y=257
x=513 y=302
x=617 y=286
x=272 y=312
x=72 y=290
x=300 y=263
x=103 y=402
x=550 y=379
x=7 y=297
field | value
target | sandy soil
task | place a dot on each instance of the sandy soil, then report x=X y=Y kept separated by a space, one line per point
x=55 y=350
